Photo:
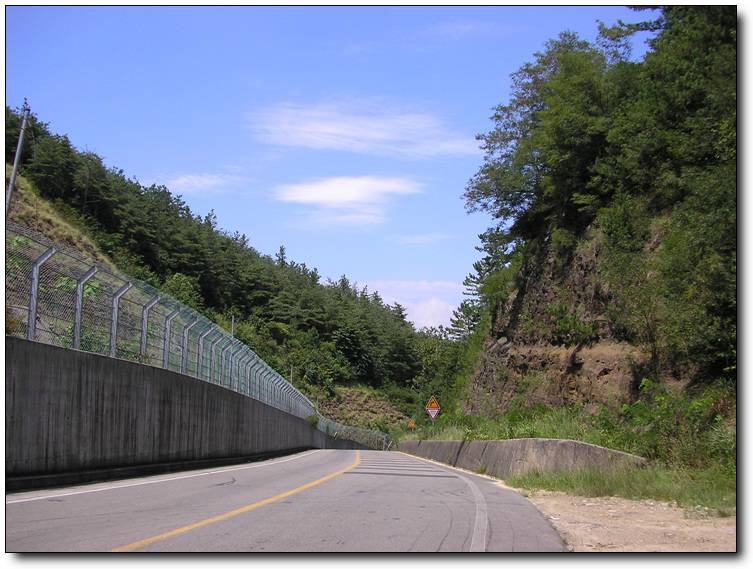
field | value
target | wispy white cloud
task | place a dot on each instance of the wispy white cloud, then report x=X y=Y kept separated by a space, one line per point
x=370 y=126
x=347 y=200
x=203 y=184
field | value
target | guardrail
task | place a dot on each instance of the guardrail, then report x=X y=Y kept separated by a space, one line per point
x=56 y=295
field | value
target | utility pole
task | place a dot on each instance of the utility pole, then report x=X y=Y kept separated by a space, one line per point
x=17 y=159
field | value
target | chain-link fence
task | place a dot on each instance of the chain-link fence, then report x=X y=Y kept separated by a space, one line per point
x=55 y=295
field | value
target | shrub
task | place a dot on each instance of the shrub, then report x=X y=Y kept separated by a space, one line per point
x=568 y=329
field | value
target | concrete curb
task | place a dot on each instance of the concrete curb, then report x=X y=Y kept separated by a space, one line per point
x=517 y=456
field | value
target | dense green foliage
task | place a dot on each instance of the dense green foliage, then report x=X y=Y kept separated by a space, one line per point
x=645 y=153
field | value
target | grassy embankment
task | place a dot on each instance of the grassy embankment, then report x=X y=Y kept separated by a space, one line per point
x=692 y=451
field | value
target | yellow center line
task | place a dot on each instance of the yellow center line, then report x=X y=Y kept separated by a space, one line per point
x=151 y=540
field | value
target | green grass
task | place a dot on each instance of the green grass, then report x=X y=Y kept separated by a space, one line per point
x=536 y=422
x=54 y=221
x=710 y=491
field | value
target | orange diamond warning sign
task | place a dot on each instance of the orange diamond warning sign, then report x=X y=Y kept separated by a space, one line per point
x=432 y=408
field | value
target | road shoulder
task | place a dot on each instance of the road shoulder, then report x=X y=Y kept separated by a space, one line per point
x=617 y=524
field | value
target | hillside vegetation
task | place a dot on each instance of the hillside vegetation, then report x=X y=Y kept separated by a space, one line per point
x=607 y=299
x=604 y=309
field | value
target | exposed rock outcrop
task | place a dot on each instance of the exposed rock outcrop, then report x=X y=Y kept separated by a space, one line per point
x=551 y=341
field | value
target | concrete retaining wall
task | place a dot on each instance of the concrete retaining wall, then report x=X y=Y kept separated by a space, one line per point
x=516 y=456
x=68 y=411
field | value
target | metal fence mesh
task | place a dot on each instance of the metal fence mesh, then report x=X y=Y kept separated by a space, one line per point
x=55 y=295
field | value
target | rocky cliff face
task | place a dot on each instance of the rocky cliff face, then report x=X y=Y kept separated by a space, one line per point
x=551 y=341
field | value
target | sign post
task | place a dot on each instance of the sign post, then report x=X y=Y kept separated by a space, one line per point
x=432 y=408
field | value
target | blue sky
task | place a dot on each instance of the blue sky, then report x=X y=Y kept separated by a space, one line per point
x=344 y=134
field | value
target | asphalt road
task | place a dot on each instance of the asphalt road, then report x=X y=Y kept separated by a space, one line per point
x=316 y=501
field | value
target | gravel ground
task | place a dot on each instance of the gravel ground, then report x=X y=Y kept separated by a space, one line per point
x=620 y=525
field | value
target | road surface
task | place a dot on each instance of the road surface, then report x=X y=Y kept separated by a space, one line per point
x=316 y=501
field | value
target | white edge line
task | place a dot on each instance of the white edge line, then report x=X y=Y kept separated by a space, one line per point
x=481 y=511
